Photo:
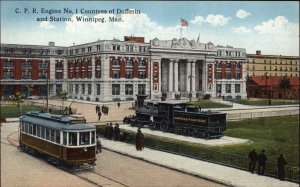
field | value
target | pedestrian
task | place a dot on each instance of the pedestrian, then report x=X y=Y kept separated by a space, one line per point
x=107 y=111
x=119 y=104
x=262 y=159
x=99 y=115
x=139 y=140
x=97 y=108
x=117 y=132
x=110 y=131
x=99 y=146
x=106 y=131
x=200 y=108
x=281 y=163
x=253 y=158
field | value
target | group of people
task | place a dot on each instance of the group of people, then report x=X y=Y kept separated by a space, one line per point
x=112 y=132
x=262 y=159
x=100 y=110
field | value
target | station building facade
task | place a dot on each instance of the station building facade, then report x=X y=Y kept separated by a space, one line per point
x=109 y=70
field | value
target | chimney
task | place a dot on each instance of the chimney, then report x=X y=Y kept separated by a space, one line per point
x=258 y=52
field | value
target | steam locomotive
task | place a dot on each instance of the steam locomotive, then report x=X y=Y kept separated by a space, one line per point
x=179 y=118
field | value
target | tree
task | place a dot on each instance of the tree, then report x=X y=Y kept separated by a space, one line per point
x=63 y=96
x=285 y=84
x=18 y=98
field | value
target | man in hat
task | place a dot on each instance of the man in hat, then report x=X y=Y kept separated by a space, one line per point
x=281 y=163
x=262 y=159
x=139 y=140
x=253 y=158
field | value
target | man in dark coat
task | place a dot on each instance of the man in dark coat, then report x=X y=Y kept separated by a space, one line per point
x=119 y=104
x=99 y=146
x=262 y=159
x=99 y=115
x=253 y=158
x=97 y=108
x=106 y=131
x=281 y=163
x=117 y=132
x=110 y=131
x=139 y=140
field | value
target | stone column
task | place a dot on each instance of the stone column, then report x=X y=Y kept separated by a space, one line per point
x=176 y=76
x=204 y=75
x=188 y=76
x=159 y=76
x=170 y=76
x=193 y=76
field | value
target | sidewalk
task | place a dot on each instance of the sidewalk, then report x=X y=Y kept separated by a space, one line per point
x=214 y=172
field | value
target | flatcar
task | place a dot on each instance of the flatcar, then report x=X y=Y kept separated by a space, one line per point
x=179 y=118
x=65 y=140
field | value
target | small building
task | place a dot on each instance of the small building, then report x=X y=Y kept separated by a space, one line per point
x=269 y=87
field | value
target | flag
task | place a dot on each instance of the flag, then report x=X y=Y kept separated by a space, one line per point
x=184 y=23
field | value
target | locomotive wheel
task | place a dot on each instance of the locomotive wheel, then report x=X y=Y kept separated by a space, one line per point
x=164 y=126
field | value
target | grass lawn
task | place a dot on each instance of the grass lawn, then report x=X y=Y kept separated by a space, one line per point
x=13 y=111
x=209 y=104
x=274 y=134
x=265 y=102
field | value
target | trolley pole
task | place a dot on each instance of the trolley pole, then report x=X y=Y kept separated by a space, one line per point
x=47 y=95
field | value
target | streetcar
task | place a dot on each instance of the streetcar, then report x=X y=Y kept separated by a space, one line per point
x=64 y=140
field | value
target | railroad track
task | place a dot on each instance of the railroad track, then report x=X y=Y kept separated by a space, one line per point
x=9 y=141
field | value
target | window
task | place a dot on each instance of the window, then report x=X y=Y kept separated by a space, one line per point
x=71 y=52
x=58 y=65
x=76 y=88
x=98 y=47
x=43 y=132
x=43 y=65
x=219 y=75
x=228 y=88
x=116 y=62
x=237 y=75
x=84 y=138
x=98 y=74
x=219 y=65
x=129 y=63
x=57 y=136
x=48 y=132
x=38 y=131
x=59 y=75
x=8 y=75
x=265 y=61
x=219 y=88
x=253 y=67
x=155 y=75
x=89 y=49
x=237 y=88
x=228 y=75
x=83 y=88
x=128 y=74
x=65 y=138
x=89 y=74
x=128 y=89
x=89 y=89
x=98 y=89
x=52 y=135
x=26 y=65
x=237 y=66
x=142 y=89
x=142 y=74
x=115 y=74
x=42 y=75
x=93 y=137
x=72 y=138
x=142 y=63
x=265 y=67
x=8 y=64
x=34 y=130
x=115 y=89
x=275 y=68
x=228 y=66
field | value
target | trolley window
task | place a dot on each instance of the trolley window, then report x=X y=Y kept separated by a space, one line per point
x=52 y=135
x=84 y=138
x=30 y=129
x=34 y=130
x=57 y=136
x=65 y=138
x=43 y=132
x=22 y=126
x=93 y=137
x=72 y=138
x=48 y=132
x=38 y=131
x=26 y=127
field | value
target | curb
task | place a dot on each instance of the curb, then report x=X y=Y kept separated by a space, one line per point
x=226 y=183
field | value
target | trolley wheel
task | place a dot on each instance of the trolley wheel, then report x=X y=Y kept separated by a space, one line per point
x=164 y=125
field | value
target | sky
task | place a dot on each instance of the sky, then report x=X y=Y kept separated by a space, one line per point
x=271 y=27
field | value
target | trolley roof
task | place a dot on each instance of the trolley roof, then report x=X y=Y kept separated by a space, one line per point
x=58 y=122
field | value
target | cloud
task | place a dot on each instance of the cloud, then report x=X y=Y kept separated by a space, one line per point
x=214 y=20
x=241 y=29
x=46 y=25
x=242 y=14
x=280 y=27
